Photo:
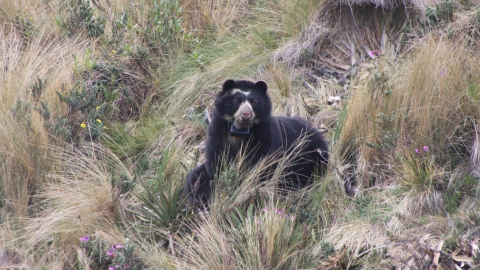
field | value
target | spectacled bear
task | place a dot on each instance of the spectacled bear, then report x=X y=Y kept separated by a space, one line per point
x=242 y=121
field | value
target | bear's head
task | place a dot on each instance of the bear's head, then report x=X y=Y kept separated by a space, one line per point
x=243 y=103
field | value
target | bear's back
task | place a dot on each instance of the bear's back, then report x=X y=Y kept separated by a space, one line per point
x=291 y=129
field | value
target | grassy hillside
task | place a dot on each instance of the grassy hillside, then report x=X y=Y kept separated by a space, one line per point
x=104 y=103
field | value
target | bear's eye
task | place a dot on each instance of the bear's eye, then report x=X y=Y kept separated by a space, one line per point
x=253 y=101
x=237 y=101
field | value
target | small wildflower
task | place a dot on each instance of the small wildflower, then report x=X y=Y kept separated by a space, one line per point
x=110 y=253
x=83 y=125
x=85 y=239
x=119 y=246
x=111 y=268
x=425 y=148
x=105 y=127
x=442 y=73
x=280 y=211
x=117 y=266
x=417 y=150
x=264 y=210
x=99 y=121
x=374 y=53
x=114 y=52
x=96 y=108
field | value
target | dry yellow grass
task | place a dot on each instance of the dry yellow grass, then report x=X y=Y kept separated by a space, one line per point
x=263 y=239
x=423 y=102
x=80 y=200
x=221 y=15
x=24 y=141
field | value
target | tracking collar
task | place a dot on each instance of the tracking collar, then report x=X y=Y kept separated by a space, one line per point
x=238 y=132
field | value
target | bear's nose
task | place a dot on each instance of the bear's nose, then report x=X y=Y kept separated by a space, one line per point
x=246 y=115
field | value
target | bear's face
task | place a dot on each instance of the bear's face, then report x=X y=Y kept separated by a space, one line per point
x=243 y=103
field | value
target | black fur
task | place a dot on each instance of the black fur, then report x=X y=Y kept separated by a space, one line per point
x=268 y=134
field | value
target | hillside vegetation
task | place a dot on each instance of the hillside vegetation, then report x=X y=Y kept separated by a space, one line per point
x=103 y=109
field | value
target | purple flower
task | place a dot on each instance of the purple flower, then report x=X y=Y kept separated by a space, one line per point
x=111 y=268
x=264 y=210
x=374 y=53
x=117 y=266
x=85 y=239
x=280 y=211
x=119 y=246
x=425 y=148
x=417 y=150
x=110 y=253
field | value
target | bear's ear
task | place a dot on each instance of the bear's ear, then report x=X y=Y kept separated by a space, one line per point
x=261 y=86
x=228 y=85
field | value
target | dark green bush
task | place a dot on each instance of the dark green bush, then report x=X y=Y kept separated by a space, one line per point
x=81 y=19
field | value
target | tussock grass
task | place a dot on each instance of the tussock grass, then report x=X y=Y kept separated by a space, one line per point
x=80 y=200
x=422 y=179
x=424 y=101
x=184 y=141
x=286 y=91
x=27 y=15
x=262 y=238
x=24 y=149
x=285 y=18
x=47 y=56
x=245 y=55
x=216 y=254
x=221 y=15
x=465 y=24
x=426 y=104
x=242 y=52
x=358 y=236
x=342 y=33
x=154 y=257
x=227 y=237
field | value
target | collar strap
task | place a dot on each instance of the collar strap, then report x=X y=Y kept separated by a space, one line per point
x=236 y=132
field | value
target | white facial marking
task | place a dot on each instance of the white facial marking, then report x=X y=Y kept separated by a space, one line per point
x=247 y=103
x=228 y=117
x=245 y=106
x=236 y=90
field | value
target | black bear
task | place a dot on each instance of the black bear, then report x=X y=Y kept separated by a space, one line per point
x=242 y=121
